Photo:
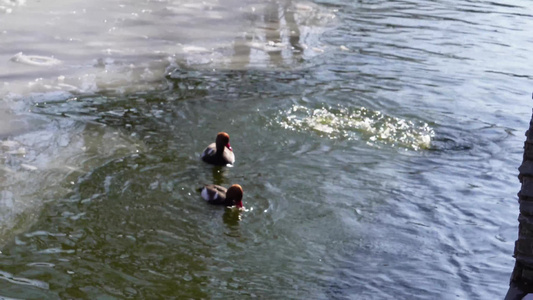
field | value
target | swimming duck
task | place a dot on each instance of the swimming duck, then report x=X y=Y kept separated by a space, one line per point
x=216 y=194
x=219 y=153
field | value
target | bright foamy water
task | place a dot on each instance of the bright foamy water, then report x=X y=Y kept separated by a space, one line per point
x=360 y=123
x=377 y=145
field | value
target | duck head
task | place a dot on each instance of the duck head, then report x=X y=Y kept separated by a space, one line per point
x=235 y=194
x=222 y=141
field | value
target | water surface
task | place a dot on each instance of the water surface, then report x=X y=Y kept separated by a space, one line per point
x=377 y=144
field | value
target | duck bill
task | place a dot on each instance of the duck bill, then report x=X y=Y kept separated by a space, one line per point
x=229 y=147
x=239 y=204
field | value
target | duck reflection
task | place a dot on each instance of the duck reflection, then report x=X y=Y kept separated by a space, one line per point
x=220 y=174
x=232 y=217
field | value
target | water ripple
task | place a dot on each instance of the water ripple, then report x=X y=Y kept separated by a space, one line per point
x=23 y=281
x=359 y=123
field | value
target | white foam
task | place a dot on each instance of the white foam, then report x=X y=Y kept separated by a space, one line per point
x=35 y=60
x=343 y=123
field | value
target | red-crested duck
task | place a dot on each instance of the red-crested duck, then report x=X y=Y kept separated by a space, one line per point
x=216 y=194
x=219 y=153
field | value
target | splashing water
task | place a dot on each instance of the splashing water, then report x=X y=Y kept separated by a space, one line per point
x=357 y=124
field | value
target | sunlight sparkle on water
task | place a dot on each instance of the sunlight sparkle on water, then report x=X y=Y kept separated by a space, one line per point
x=358 y=123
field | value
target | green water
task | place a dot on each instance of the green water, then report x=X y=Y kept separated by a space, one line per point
x=377 y=151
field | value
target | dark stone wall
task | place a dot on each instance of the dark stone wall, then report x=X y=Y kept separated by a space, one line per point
x=522 y=276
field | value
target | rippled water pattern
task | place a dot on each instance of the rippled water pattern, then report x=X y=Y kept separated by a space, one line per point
x=377 y=143
x=358 y=124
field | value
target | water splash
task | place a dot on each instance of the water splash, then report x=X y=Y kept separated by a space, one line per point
x=358 y=124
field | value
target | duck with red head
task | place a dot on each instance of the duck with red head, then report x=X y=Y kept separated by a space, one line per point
x=216 y=194
x=219 y=153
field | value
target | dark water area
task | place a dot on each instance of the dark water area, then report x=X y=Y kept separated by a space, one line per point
x=377 y=144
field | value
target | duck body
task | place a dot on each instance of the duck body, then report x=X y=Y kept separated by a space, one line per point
x=219 y=195
x=219 y=153
x=218 y=158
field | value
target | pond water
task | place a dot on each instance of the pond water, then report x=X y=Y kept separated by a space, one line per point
x=377 y=143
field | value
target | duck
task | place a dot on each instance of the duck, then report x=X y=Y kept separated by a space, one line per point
x=219 y=153
x=219 y=195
